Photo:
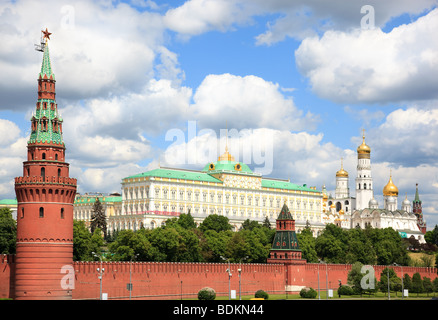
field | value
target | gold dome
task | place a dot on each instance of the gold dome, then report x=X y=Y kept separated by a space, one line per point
x=226 y=156
x=390 y=189
x=342 y=172
x=363 y=149
x=341 y=212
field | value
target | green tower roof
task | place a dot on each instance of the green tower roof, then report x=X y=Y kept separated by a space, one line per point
x=285 y=213
x=46 y=66
x=47 y=121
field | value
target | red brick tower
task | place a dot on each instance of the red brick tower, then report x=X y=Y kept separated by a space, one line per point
x=45 y=195
x=285 y=247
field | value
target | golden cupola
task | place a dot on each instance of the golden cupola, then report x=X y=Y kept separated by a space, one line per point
x=363 y=151
x=342 y=173
x=226 y=156
x=390 y=190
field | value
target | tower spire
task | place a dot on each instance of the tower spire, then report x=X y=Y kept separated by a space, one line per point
x=45 y=195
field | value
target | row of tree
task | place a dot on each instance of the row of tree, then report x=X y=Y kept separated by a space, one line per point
x=369 y=246
x=180 y=240
x=416 y=284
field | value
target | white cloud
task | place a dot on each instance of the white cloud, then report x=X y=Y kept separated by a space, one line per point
x=407 y=138
x=198 y=16
x=295 y=19
x=96 y=48
x=246 y=102
x=372 y=66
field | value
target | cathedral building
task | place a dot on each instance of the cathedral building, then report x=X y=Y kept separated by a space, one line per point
x=363 y=210
x=225 y=187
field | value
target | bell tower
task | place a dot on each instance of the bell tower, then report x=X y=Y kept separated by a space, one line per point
x=45 y=195
x=364 y=181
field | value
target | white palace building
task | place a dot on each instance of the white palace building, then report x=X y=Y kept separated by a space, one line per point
x=225 y=187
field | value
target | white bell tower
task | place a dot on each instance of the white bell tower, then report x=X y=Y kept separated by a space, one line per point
x=364 y=181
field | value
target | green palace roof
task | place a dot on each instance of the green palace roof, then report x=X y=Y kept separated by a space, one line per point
x=223 y=166
x=283 y=184
x=8 y=202
x=177 y=174
x=92 y=199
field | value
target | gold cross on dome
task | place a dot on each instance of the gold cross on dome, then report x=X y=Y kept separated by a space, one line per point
x=46 y=34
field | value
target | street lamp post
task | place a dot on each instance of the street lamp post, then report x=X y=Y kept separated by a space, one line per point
x=229 y=276
x=240 y=277
x=403 y=291
x=389 y=295
x=101 y=271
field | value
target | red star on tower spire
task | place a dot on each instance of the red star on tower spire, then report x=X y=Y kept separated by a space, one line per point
x=46 y=34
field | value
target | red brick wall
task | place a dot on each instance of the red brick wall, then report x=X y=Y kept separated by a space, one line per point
x=155 y=280
x=7 y=276
x=307 y=275
x=163 y=280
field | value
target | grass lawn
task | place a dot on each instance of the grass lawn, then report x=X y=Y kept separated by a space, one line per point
x=377 y=296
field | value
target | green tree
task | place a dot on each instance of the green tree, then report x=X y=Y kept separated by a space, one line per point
x=432 y=236
x=215 y=245
x=417 y=283
x=435 y=285
x=266 y=223
x=98 y=218
x=394 y=281
x=8 y=232
x=215 y=222
x=427 y=285
x=186 y=221
x=359 y=247
x=249 y=224
x=237 y=247
x=81 y=242
x=407 y=282
x=129 y=244
x=330 y=246
x=354 y=277
x=307 y=243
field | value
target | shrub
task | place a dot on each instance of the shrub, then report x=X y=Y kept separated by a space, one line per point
x=308 y=293
x=345 y=290
x=261 y=294
x=206 y=294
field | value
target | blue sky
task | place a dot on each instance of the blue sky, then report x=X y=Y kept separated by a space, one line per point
x=301 y=77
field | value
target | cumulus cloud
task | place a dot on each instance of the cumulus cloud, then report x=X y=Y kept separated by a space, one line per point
x=370 y=66
x=407 y=138
x=246 y=102
x=295 y=19
x=97 y=48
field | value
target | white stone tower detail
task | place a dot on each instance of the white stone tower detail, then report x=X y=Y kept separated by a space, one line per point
x=364 y=181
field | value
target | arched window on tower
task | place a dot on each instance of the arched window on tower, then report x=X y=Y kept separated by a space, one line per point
x=62 y=213
x=364 y=186
x=41 y=212
x=43 y=173
x=44 y=156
